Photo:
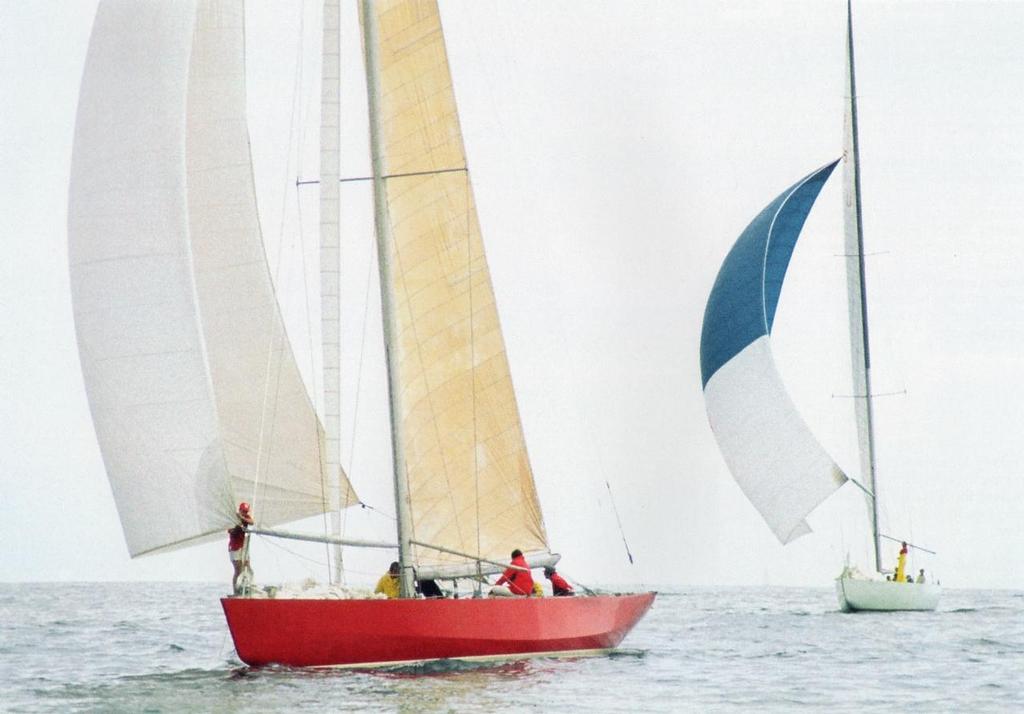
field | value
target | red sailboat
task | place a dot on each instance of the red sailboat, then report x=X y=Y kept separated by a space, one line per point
x=303 y=633
x=197 y=400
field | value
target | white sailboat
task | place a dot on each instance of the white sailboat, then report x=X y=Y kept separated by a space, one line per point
x=770 y=450
x=196 y=397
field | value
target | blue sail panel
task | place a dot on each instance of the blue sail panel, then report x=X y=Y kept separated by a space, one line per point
x=741 y=307
x=769 y=449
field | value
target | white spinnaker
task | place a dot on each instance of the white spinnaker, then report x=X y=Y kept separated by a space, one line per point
x=193 y=388
x=770 y=451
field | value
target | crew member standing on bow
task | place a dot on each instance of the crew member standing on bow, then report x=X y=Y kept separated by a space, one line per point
x=518 y=577
x=237 y=550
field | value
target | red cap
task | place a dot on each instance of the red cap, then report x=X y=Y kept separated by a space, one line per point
x=243 y=507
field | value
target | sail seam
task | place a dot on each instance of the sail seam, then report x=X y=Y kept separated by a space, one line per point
x=429 y=397
x=768 y=244
x=201 y=338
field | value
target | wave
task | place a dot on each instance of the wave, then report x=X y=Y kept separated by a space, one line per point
x=190 y=675
x=454 y=666
x=627 y=653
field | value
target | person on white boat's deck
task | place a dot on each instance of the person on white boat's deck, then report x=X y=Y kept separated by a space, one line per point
x=237 y=551
x=518 y=577
x=901 y=564
x=920 y=576
x=559 y=587
x=388 y=583
x=910 y=578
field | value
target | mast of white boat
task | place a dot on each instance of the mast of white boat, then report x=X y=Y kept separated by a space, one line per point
x=857 y=295
x=382 y=226
x=330 y=266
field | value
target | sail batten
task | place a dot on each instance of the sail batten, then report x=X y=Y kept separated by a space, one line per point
x=770 y=450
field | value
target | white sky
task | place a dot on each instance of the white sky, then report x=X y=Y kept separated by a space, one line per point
x=617 y=149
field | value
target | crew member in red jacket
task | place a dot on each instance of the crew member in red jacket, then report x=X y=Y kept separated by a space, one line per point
x=559 y=587
x=237 y=551
x=520 y=582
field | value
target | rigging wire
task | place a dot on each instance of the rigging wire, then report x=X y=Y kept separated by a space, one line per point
x=296 y=147
x=581 y=586
x=370 y=263
x=385 y=514
x=273 y=542
x=619 y=521
x=278 y=331
x=274 y=281
x=909 y=544
x=875 y=395
x=472 y=364
x=319 y=563
x=312 y=370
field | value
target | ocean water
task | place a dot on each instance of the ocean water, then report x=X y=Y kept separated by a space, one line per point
x=141 y=647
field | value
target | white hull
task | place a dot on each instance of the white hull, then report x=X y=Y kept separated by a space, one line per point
x=858 y=594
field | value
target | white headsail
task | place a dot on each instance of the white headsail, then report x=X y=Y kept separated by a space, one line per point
x=195 y=394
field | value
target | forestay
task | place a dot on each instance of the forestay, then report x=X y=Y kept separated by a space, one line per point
x=194 y=391
x=769 y=449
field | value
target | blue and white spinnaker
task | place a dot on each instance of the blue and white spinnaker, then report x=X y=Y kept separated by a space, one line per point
x=769 y=449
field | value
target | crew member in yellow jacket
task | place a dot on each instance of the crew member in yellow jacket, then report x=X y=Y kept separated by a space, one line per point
x=901 y=564
x=388 y=583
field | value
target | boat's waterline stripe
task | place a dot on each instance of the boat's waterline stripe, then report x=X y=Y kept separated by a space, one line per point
x=474 y=658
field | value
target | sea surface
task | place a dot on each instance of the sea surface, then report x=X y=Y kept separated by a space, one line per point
x=143 y=647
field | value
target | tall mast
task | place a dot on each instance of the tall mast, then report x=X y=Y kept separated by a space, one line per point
x=857 y=294
x=403 y=514
x=330 y=264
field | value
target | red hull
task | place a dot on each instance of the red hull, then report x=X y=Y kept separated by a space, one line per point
x=321 y=633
